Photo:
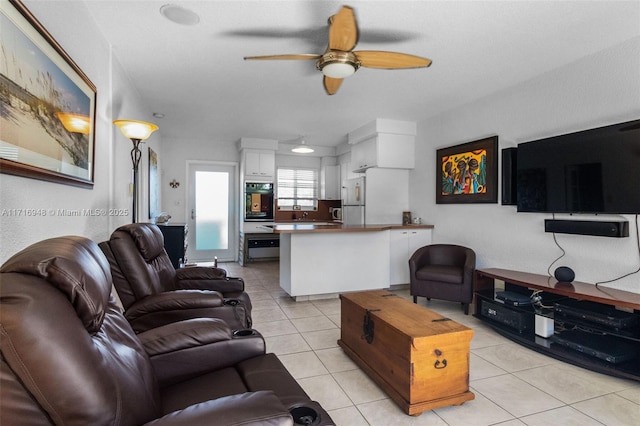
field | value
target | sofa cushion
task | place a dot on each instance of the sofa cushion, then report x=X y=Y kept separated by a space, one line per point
x=77 y=269
x=148 y=239
x=268 y=373
x=214 y=385
x=441 y=273
x=74 y=376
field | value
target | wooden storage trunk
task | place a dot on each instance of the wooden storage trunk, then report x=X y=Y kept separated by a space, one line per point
x=417 y=356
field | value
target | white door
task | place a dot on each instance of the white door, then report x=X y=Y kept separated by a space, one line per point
x=212 y=212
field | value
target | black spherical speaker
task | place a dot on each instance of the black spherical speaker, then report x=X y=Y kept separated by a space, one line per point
x=564 y=274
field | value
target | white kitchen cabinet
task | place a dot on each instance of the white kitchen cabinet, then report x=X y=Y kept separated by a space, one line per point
x=403 y=243
x=259 y=164
x=330 y=182
x=346 y=173
x=384 y=150
x=364 y=154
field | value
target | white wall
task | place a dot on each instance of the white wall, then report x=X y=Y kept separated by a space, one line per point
x=175 y=154
x=595 y=91
x=387 y=195
x=115 y=99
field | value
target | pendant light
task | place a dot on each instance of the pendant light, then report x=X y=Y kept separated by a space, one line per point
x=302 y=148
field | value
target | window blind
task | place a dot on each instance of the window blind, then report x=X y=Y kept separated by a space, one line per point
x=297 y=187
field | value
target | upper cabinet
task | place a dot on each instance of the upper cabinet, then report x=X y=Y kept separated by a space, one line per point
x=261 y=164
x=383 y=143
x=384 y=150
x=330 y=182
x=258 y=159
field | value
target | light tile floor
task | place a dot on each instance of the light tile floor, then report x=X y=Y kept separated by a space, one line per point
x=512 y=385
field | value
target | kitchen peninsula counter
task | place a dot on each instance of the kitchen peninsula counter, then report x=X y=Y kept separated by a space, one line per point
x=310 y=227
x=324 y=260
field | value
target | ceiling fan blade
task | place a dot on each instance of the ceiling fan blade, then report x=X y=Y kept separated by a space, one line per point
x=390 y=60
x=343 y=30
x=301 y=56
x=331 y=85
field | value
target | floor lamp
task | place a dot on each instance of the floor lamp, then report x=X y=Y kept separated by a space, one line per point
x=137 y=131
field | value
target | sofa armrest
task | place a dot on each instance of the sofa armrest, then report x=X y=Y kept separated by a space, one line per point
x=469 y=266
x=201 y=273
x=262 y=407
x=171 y=300
x=418 y=259
x=201 y=278
x=185 y=349
x=183 y=335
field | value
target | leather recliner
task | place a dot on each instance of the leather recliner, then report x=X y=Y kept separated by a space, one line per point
x=68 y=356
x=443 y=271
x=154 y=293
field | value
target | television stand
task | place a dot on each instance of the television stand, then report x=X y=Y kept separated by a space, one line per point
x=518 y=322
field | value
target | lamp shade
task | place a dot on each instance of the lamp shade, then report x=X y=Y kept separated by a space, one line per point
x=134 y=129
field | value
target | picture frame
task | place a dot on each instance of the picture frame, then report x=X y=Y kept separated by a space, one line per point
x=468 y=173
x=47 y=120
x=154 y=185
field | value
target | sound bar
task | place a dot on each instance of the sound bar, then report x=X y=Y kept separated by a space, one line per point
x=616 y=229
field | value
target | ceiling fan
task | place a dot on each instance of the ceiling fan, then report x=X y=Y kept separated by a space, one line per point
x=340 y=60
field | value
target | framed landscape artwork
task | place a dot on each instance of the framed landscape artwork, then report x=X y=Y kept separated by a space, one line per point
x=47 y=104
x=154 y=185
x=468 y=173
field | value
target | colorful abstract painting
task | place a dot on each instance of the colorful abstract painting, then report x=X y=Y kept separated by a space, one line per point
x=467 y=173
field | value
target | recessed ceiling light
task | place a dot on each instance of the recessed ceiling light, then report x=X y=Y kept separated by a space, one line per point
x=158 y=115
x=179 y=14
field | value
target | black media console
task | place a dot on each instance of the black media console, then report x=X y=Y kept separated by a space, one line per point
x=597 y=328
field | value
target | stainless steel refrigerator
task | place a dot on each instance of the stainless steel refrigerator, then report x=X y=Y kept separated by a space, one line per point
x=353 y=202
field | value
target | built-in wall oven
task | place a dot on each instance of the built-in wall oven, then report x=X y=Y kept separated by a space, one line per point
x=258 y=202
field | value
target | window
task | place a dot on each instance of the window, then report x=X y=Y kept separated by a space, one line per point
x=297 y=187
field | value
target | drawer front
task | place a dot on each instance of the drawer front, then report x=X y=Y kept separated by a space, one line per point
x=261 y=243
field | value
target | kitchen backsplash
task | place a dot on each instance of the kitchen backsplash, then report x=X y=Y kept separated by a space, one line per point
x=322 y=213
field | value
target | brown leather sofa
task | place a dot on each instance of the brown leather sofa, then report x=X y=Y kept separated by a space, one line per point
x=443 y=271
x=154 y=293
x=68 y=356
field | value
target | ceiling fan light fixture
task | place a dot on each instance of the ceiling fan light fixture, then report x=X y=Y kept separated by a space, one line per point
x=338 y=70
x=336 y=64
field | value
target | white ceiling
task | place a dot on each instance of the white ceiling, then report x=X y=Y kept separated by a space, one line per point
x=197 y=77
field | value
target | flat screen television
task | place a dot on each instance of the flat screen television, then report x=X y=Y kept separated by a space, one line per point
x=591 y=171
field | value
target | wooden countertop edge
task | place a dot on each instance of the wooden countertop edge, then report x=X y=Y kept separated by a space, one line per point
x=310 y=228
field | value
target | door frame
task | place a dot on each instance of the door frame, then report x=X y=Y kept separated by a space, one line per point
x=234 y=238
